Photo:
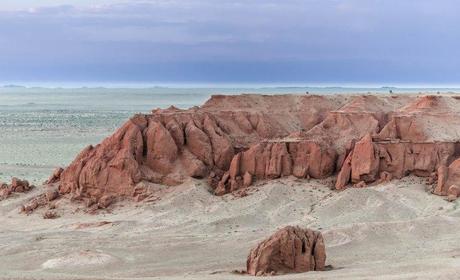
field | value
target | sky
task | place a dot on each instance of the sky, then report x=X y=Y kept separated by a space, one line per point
x=383 y=42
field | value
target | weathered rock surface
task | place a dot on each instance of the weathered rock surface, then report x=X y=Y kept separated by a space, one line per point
x=170 y=145
x=290 y=249
x=50 y=214
x=51 y=195
x=19 y=186
x=56 y=176
x=447 y=177
x=235 y=140
x=16 y=186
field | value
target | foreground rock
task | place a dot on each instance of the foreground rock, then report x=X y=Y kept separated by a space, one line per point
x=235 y=140
x=291 y=249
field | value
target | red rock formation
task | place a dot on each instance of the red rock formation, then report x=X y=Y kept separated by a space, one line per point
x=51 y=195
x=442 y=178
x=56 y=176
x=344 y=176
x=290 y=249
x=46 y=198
x=170 y=145
x=396 y=160
x=364 y=161
x=20 y=186
x=50 y=214
x=447 y=177
x=16 y=186
x=234 y=140
x=453 y=192
x=274 y=159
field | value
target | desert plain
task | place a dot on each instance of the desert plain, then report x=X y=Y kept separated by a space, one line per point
x=377 y=178
x=391 y=231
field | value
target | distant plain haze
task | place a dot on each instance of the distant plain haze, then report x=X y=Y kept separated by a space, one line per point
x=230 y=41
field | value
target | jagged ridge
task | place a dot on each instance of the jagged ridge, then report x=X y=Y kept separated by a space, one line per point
x=233 y=140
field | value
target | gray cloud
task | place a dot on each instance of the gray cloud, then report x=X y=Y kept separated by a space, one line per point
x=352 y=40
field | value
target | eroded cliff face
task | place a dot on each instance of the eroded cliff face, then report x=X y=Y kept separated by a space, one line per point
x=170 y=145
x=234 y=140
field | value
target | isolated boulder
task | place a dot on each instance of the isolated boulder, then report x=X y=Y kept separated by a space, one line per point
x=51 y=195
x=50 y=214
x=16 y=186
x=19 y=186
x=453 y=192
x=105 y=201
x=290 y=249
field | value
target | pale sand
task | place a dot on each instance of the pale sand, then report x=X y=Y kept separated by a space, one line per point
x=392 y=231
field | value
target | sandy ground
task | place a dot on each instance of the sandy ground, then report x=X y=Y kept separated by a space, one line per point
x=391 y=231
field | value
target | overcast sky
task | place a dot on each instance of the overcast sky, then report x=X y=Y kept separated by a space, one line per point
x=231 y=41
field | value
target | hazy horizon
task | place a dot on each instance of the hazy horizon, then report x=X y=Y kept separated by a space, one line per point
x=210 y=85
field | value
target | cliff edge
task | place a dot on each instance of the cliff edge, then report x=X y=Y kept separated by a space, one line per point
x=234 y=140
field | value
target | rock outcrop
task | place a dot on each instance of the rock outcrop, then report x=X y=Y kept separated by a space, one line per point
x=373 y=161
x=274 y=159
x=56 y=176
x=46 y=198
x=16 y=186
x=448 y=176
x=235 y=140
x=290 y=249
x=170 y=145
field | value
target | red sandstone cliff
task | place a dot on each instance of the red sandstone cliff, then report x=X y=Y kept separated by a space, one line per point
x=232 y=140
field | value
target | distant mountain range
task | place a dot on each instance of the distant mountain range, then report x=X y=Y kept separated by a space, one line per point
x=13 y=86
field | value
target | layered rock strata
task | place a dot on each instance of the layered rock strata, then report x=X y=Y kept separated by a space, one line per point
x=234 y=140
x=170 y=145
